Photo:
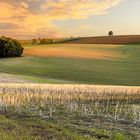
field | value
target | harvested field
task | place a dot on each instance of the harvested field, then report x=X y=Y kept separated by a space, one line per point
x=76 y=111
x=68 y=92
x=122 y=39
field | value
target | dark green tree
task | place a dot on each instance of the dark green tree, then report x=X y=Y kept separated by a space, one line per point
x=110 y=33
x=10 y=47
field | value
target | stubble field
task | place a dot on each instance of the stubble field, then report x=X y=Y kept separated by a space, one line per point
x=74 y=112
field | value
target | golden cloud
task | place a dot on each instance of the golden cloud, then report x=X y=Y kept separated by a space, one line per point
x=35 y=17
x=78 y=8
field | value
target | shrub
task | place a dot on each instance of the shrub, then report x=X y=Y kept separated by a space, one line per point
x=10 y=47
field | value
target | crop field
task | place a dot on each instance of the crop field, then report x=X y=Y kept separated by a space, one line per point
x=77 y=63
x=74 y=112
x=120 y=39
x=74 y=103
x=77 y=100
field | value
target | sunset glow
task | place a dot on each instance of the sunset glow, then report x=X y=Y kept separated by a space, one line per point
x=25 y=19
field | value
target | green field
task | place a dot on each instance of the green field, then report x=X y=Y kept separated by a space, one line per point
x=123 y=69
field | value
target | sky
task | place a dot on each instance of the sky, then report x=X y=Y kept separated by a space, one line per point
x=28 y=19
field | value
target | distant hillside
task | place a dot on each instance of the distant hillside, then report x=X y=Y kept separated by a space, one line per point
x=122 y=39
x=43 y=41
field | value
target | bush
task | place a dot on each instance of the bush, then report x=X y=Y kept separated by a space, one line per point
x=10 y=47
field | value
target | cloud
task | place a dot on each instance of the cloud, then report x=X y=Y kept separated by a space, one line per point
x=24 y=4
x=35 y=17
x=8 y=10
x=77 y=9
x=7 y=26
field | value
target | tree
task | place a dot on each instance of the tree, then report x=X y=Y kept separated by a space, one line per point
x=43 y=41
x=10 y=47
x=34 y=41
x=46 y=41
x=50 y=41
x=110 y=33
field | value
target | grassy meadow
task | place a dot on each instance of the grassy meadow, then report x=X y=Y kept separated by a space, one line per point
x=77 y=63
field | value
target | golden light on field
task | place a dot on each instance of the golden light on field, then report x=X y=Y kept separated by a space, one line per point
x=22 y=93
x=74 y=51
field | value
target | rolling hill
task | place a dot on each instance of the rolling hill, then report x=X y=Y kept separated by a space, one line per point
x=121 y=39
x=77 y=63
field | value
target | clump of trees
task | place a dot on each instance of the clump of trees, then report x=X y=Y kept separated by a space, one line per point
x=10 y=47
x=42 y=41
x=46 y=41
